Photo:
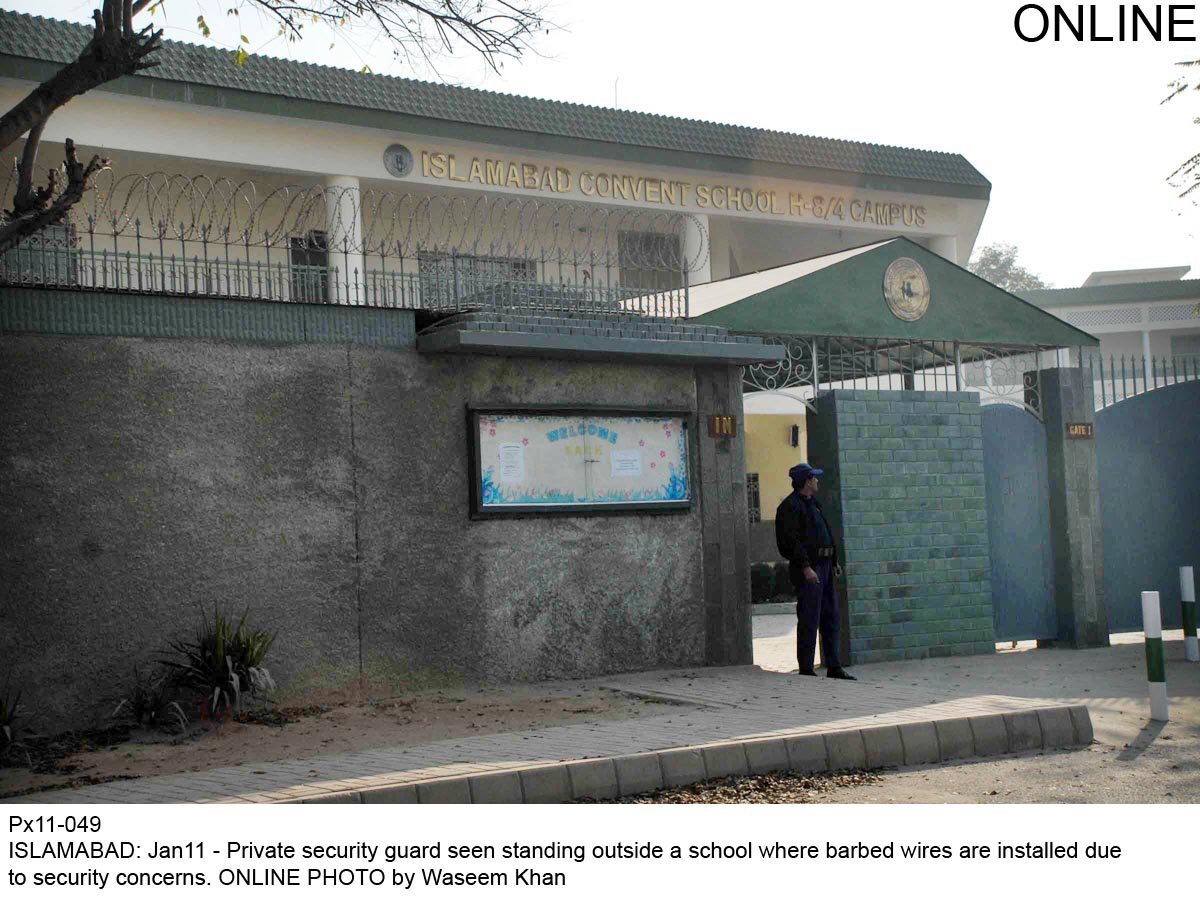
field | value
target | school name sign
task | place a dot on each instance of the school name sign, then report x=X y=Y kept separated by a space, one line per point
x=654 y=191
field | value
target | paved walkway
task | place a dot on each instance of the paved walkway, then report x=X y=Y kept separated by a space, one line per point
x=729 y=720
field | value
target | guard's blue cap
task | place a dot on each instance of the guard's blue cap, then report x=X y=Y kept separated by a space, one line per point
x=804 y=471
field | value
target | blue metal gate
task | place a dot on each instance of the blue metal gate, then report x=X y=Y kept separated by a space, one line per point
x=1149 y=497
x=1018 y=510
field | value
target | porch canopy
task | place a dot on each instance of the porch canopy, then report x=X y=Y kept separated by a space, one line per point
x=842 y=294
x=832 y=315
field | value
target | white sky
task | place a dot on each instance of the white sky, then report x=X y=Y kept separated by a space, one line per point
x=1071 y=136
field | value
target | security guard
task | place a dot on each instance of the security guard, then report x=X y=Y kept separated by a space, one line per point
x=805 y=539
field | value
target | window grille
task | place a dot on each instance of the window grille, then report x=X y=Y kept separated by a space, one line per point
x=49 y=257
x=753 y=498
x=650 y=261
x=447 y=278
x=1172 y=313
x=1083 y=318
x=309 y=267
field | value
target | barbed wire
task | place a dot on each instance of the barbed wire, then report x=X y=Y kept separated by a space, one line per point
x=199 y=208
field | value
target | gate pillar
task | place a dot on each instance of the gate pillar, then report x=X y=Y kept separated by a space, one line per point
x=1074 y=493
x=729 y=639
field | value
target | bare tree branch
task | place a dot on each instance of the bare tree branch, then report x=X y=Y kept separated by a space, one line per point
x=20 y=225
x=492 y=29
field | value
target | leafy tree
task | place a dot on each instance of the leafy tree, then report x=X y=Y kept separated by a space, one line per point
x=415 y=29
x=997 y=263
x=1185 y=178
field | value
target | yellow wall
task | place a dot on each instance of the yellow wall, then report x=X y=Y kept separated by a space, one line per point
x=769 y=454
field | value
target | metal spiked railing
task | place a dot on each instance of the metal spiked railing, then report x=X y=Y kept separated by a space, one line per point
x=170 y=234
x=1122 y=377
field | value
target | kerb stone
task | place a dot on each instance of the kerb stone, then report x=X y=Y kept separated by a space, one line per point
x=846 y=750
x=991 y=735
x=681 y=766
x=501 y=787
x=1082 y=720
x=920 y=743
x=955 y=740
x=1057 y=728
x=452 y=791
x=405 y=794
x=884 y=747
x=593 y=779
x=549 y=784
x=765 y=756
x=807 y=753
x=1024 y=732
x=725 y=760
x=639 y=773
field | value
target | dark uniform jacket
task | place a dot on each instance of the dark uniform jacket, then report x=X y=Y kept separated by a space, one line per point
x=798 y=536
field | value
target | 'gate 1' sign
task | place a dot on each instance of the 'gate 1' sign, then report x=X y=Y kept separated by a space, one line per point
x=1079 y=430
x=722 y=426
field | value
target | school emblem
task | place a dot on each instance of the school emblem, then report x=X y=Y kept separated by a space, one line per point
x=906 y=289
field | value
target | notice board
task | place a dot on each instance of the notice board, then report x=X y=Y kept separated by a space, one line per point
x=571 y=461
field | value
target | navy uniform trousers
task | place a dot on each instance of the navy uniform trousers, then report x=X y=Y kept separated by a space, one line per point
x=817 y=609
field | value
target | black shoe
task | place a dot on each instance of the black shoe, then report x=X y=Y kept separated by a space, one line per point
x=809 y=673
x=840 y=674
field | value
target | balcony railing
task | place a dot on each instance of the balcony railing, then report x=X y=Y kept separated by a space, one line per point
x=282 y=281
x=202 y=237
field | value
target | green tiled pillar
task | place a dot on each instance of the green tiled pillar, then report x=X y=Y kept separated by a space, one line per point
x=904 y=489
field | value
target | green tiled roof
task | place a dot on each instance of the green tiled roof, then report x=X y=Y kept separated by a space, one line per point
x=1141 y=292
x=845 y=298
x=25 y=37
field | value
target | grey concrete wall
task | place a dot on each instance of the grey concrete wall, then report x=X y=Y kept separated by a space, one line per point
x=325 y=488
x=904 y=489
x=1149 y=498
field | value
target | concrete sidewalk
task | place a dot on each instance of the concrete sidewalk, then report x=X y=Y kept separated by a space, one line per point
x=729 y=721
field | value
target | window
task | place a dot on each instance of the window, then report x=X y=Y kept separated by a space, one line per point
x=753 y=498
x=650 y=261
x=308 y=257
x=49 y=257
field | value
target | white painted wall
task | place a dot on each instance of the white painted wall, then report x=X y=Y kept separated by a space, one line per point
x=187 y=137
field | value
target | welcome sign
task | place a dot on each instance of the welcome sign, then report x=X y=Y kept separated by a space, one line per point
x=549 y=461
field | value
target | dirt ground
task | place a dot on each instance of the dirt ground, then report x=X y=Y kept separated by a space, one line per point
x=321 y=730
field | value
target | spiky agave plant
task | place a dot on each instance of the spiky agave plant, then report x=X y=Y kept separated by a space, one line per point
x=223 y=663
x=10 y=713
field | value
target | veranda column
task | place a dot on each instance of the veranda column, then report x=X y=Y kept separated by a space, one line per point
x=1075 y=529
x=344 y=233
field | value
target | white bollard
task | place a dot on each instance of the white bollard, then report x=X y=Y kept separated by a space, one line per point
x=1156 y=668
x=1187 y=593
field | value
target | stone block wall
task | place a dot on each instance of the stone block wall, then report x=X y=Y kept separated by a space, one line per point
x=904 y=489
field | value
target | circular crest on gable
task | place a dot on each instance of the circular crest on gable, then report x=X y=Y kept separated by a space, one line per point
x=398 y=160
x=906 y=289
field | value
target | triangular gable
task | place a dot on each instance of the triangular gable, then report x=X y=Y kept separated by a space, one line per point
x=841 y=295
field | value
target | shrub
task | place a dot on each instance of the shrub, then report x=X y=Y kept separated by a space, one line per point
x=10 y=714
x=149 y=703
x=762 y=582
x=223 y=663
